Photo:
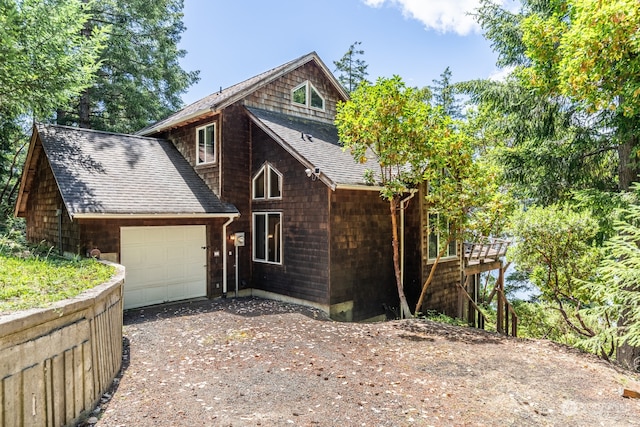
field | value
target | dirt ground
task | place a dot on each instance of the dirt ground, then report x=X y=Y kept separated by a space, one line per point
x=252 y=362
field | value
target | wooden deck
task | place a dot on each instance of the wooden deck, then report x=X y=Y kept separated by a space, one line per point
x=484 y=256
x=480 y=257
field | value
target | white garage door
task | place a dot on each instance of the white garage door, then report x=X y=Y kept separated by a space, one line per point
x=163 y=264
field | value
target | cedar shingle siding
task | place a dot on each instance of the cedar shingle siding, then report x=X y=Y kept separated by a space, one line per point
x=336 y=235
x=305 y=270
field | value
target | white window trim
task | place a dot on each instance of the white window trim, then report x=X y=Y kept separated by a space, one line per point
x=215 y=144
x=266 y=169
x=431 y=260
x=308 y=87
x=266 y=241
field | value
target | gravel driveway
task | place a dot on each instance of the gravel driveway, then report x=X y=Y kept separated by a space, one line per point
x=253 y=362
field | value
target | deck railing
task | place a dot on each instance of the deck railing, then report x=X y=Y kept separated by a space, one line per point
x=492 y=249
x=485 y=256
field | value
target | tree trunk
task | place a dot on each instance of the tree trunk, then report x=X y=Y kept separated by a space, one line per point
x=427 y=282
x=405 y=311
x=627 y=163
x=629 y=357
x=84 y=104
x=628 y=168
x=84 y=110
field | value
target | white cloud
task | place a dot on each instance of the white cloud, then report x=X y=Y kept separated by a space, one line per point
x=501 y=74
x=441 y=15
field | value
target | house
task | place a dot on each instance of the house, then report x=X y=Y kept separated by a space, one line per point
x=244 y=192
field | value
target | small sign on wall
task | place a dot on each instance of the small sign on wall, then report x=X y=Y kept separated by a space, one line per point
x=239 y=238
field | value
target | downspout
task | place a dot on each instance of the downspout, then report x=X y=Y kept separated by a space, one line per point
x=224 y=256
x=402 y=206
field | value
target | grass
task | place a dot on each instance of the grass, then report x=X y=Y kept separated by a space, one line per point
x=32 y=278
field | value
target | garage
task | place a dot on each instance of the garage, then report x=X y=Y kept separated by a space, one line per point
x=164 y=263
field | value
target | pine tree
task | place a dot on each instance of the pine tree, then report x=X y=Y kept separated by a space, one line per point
x=351 y=68
x=140 y=79
x=44 y=61
x=444 y=95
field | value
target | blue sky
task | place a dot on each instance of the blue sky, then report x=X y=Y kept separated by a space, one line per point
x=229 y=41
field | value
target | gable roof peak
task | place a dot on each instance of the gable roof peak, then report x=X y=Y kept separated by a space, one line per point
x=225 y=97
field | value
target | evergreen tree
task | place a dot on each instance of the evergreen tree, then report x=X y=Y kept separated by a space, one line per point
x=44 y=61
x=140 y=79
x=352 y=68
x=444 y=95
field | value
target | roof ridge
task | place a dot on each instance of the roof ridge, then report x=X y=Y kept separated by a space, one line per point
x=89 y=130
x=228 y=95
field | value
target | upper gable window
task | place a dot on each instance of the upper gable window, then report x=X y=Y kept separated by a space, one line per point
x=307 y=95
x=206 y=144
x=267 y=183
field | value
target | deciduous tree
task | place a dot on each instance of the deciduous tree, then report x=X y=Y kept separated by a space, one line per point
x=391 y=125
x=589 y=51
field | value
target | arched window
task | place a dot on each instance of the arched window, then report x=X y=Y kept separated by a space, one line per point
x=267 y=183
x=308 y=96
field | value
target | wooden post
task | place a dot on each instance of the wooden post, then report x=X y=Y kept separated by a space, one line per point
x=471 y=290
x=500 y=314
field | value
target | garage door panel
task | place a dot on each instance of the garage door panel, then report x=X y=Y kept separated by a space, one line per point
x=163 y=264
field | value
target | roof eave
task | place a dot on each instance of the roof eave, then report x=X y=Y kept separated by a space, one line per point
x=215 y=107
x=299 y=157
x=174 y=123
x=23 y=180
x=154 y=216
x=361 y=187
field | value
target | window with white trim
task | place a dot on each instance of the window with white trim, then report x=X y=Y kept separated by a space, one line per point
x=267 y=237
x=206 y=144
x=267 y=183
x=436 y=240
x=308 y=96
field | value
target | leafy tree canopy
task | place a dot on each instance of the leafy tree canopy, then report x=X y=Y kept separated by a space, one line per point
x=140 y=79
x=44 y=58
x=588 y=50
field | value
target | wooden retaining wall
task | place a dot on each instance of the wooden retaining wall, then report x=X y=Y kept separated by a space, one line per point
x=55 y=363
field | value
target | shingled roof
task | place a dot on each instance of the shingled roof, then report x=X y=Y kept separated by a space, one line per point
x=316 y=145
x=218 y=100
x=100 y=173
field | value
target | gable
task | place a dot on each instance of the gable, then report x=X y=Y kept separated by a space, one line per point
x=316 y=145
x=248 y=89
x=100 y=173
x=279 y=95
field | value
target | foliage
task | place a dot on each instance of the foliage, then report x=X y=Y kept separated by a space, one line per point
x=550 y=145
x=443 y=318
x=352 y=68
x=34 y=277
x=45 y=57
x=555 y=246
x=392 y=125
x=444 y=95
x=140 y=79
x=587 y=50
x=617 y=283
x=541 y=320
x=13 y=144
x=546 y=147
